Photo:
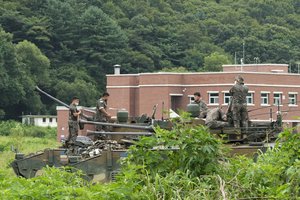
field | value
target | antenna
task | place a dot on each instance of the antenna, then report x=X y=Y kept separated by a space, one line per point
x=235 y=57
x=298 y=65
x=243 y=59
x=162 y=111
x=243 y=51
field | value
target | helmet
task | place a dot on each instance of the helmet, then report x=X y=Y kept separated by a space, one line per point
x=239 y=79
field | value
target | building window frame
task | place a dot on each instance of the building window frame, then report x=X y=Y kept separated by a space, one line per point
x=277 y=100
x=226 y=98
x=250 y=98
x=44 y=119
x=293 y=99
x=191 y=98
x=267 y=97
x=213 y=97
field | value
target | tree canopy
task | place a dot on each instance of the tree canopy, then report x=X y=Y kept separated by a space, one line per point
x=67 y=47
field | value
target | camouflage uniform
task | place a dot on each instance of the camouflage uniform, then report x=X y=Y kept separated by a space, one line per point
x=203 y=108
x=239 y=104
x=100 y=116
x=214 y=118
x=73 y=125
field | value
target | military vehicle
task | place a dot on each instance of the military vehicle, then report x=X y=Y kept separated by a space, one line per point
x=99 y=160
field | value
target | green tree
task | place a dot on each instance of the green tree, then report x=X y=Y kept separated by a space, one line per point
x=11 y=89
x=214 y=62
x=33 y=62
x=86 y=92
x=101 y=42
x=174 y=69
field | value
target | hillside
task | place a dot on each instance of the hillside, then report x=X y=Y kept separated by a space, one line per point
x=68 y=46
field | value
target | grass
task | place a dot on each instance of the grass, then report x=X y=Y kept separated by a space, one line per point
x=25 y=145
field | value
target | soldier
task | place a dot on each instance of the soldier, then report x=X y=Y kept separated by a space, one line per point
x=239 y=93
x=101 y=112
x=203 y=107
x=216 y=118
x=73 y=121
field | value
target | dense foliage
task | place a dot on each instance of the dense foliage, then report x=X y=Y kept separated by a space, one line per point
x=67 y=46
x=198 y=168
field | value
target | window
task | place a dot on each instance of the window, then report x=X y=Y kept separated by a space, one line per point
x=226 y=98
x=191 y=98
x=277 y=98
x=250 y=98
x=44 y=119
x=213 y=98
x=292 y=99
x=50 y=120
x=264 y=98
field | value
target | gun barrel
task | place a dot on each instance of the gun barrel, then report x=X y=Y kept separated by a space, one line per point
x=51 y=97
x=59 y=101
x=89 y=132
x=148 y=128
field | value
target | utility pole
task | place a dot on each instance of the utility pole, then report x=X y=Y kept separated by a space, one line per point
x=235 y=57
x=243 y=59
x=243 y=51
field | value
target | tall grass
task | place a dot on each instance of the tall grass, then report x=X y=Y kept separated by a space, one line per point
x=8 y=128
x=23 y=138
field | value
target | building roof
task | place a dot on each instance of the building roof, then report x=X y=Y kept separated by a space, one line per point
x=39 y=116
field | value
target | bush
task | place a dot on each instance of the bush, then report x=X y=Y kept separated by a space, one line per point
x=14 y=128
x=185 y=148
x=6 y=126
x=275 y=175
x=197 y=169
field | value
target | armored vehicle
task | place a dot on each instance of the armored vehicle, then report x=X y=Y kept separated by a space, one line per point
x=100 y=160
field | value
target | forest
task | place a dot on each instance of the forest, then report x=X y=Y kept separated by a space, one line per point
x=67 y=47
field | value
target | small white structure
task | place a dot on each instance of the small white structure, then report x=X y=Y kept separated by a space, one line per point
x=40 y=120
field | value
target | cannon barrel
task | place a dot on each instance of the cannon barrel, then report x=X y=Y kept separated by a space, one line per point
x=89 y=132
x=59 y=101
x=148 y=128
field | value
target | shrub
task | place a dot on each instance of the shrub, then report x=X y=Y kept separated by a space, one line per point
x=14 y=128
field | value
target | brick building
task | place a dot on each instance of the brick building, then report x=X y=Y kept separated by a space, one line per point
x=269 y=85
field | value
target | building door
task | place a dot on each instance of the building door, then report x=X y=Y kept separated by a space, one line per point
x=176 y=103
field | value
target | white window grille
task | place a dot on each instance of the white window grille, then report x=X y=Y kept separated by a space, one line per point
x=191 y=98
x=292 y=99
x=250 y=98
x=264 y=98
x=277 y=99
x=213 y=98
x=226 y=98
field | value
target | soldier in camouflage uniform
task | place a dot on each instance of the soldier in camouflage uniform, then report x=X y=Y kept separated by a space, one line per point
x=73 y=121
x=101 y=112
x=216 y=118
x=203 y=107
x=239 y=93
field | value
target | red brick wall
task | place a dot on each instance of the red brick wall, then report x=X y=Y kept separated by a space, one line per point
x=157 y=87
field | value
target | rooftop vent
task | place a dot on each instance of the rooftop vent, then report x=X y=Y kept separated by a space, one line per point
x=117 y=69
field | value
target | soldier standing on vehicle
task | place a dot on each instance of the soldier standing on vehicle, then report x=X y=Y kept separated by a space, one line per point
x=101 y=112
x=202 y=105
x=239 y=93
x=73 y=121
